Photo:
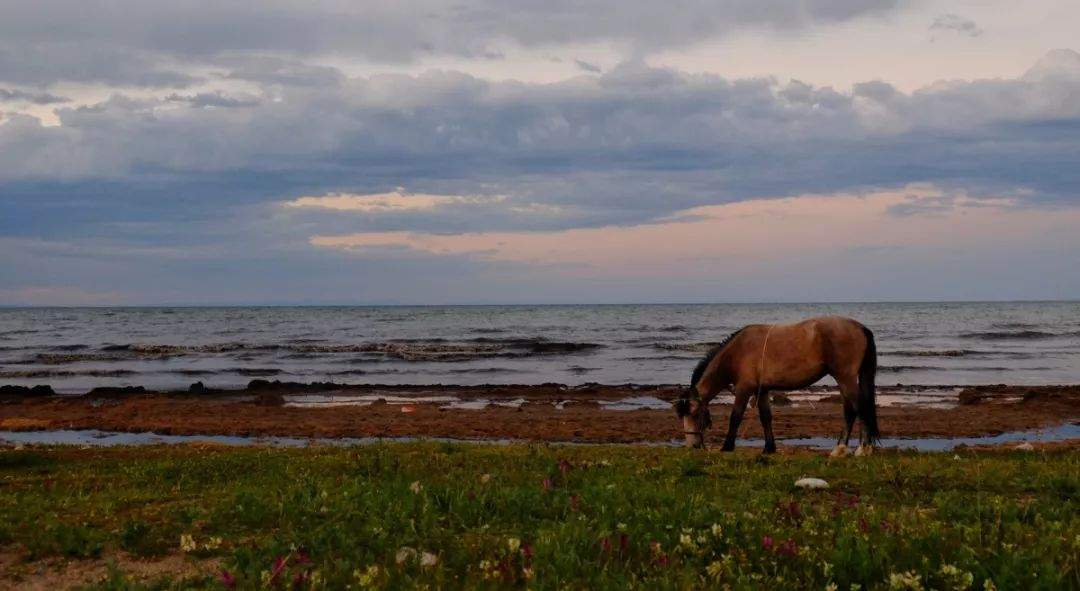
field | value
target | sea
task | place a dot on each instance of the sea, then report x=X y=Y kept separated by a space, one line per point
x=931 y=344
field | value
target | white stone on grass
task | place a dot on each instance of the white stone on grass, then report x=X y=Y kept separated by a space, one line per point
x=811 y=483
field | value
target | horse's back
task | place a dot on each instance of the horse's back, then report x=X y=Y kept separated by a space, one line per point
x=802 y=352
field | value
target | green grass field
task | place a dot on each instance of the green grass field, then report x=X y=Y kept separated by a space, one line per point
x=452 y=516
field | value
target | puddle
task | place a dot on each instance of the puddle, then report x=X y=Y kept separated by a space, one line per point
x=96 y=438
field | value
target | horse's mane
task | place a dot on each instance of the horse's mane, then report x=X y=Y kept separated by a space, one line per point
x=699 y=370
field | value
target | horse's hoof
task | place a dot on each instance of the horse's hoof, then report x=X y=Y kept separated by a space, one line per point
x=864 y=450
x=839 y=451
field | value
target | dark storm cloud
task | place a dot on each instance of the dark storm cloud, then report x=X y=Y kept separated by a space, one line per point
x=37 y=98
x=956 y=24
x=141 y=43
x=631 y=145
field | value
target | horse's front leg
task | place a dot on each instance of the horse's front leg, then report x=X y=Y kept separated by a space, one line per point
x=737 y=410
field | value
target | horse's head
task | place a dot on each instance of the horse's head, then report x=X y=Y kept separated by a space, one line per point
x=695 y=417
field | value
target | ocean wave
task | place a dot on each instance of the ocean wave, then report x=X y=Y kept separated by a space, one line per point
x=1010 y=335
x=60 y=373
x=981 y=368
x=690 y=347
x=932 y=353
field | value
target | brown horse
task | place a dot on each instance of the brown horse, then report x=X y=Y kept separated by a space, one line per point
x=760 y=358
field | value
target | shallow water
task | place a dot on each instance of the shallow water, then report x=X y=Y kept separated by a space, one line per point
x=74 y=349
x=95 y=438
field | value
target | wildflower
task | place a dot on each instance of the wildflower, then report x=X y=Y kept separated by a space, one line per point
x=227 y=579
x=575 y=503
x=605 y=545
x=831 y=586
x=416 y=487
x=956 y=578
x=514 y=544
x=366 y=577
x=767 y=542
x=826 y=569
x=620 y=526
x=715 y=569
x=624 y=543
x=909 y=581
x=213 y=543
x=564 y=467
x=404 y=554
x=988 y=585
x=546 y=484
x=187 y=543
x=716 y=530
x=485 y=478
x=526 y=573
x=428 y=559
x=788 y=548
x=279 y=565
x=686 y=541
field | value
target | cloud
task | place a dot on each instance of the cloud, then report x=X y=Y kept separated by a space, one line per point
x=37 y=98
x=213 y=99
x=629 y=146
x=154 y=32
x=956 y=24
x=588 y=66
x=395 y=201
x=165 y=176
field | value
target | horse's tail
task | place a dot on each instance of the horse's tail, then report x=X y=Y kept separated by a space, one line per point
x=867 y=372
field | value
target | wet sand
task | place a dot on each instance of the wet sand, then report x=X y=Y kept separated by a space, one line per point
x=548 y=412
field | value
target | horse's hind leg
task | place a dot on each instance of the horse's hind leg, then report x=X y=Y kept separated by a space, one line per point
x=849 y=393
x=765 y=414
x=845 y=433
x=737 y=410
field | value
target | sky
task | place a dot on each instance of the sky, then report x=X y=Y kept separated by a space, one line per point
x=516 y=151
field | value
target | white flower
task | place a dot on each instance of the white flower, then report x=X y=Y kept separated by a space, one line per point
x=366 y=577
x=831 y=586
x=716 y=530
x=956 y=578
x=416 y=487
x=428 y=559
x=906 y=581
x=620 y=526
x=513 y=544
x=404 y=554
x=715 y=569
x=187 y=543
x=485 y=478
x=686 y=541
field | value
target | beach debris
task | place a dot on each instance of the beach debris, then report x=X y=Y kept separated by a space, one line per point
x=1025 y=446
x=811 y=483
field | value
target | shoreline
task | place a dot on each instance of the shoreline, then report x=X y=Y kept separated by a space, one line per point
x=545 y=413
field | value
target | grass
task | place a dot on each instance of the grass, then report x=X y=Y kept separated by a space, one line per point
x=453 y=516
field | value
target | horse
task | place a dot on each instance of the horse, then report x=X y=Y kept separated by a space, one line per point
x=760 y=358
